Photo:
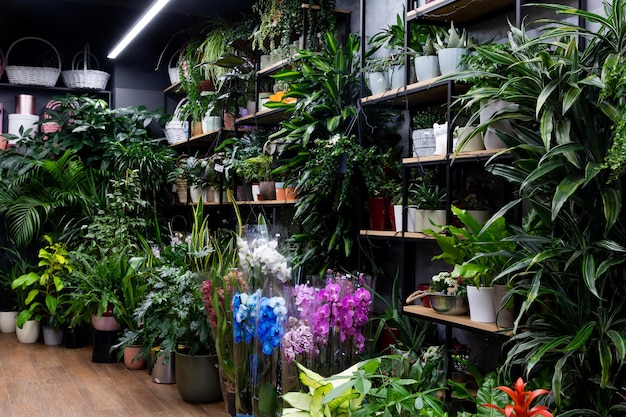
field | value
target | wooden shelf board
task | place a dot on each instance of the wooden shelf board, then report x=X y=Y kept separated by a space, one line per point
x=459 y=11
x=198 y=139
x=463 y=322
x=461 y=156
x=337 y=10
x=173 y=88
x=251 y=203
x=420 y=93
x=274 y=68
x=391 y=234
x=265 y=117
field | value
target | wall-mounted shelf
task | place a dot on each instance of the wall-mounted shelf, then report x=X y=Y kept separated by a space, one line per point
x=459 y=11
x=462 y=322
x=472 y=156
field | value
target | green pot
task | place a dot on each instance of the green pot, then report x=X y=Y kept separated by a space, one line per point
x=197 y=378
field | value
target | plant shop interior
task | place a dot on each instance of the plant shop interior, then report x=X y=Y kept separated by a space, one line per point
x=337 y=207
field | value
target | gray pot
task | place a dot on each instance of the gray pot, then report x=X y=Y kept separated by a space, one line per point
x=162 y=372
x=197 y=378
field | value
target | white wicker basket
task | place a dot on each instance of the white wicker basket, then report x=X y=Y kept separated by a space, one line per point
x=177 y=129
x=25 y=75
x=85 y=78
x=173 y=71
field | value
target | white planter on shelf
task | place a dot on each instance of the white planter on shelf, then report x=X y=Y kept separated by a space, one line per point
x=211 y=124
x=426 y=67
x=195 y=191
x=420 y=216
x=475 y=143
x=481 y=304
x=378 y=82
x=505 y=315
x=490 y=138
x=397 y=76
x=423 y=142
x=433 y=219
x=397 y=215
x=411 y=219
x=450 y=60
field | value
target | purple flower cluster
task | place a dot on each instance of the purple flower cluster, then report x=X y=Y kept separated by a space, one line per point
x=338 y=309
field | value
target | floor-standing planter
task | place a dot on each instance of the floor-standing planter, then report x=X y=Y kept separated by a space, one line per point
x=197 y=378
x=162 y=370
x=131 y=359
x=7 y=321
x=29 y=333
x=481 y=304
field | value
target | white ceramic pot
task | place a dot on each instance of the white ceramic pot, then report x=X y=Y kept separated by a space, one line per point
x=450 y=60
x=420 y=216
x=411 y=219
x=433 y=219
x=397 y=215
x=7 y=321
x=211 y=124
x=256 y=191
x=29 y=333
x=397 y=76
x=490 y=138
x=423 y=142
x=378 y=82
x=426 y=67
x=473 y=144
x=481 y=304
x=195 y=191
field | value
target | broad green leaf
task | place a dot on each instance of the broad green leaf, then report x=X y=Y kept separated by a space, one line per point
x=298 y=400
x=612 y=202
x=564 y=191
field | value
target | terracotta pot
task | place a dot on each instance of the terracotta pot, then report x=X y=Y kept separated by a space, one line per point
x=106 y=323
x=131 y=360
x=290 y=193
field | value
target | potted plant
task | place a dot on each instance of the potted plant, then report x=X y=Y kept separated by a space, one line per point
x=259 y=167
x=174 y=320
x=377 y=73
x=12 y=265
x=47 y=298
x=423 y=132
x=432 y=213
x=426 y=61
x=451 y=47
x=478 y=254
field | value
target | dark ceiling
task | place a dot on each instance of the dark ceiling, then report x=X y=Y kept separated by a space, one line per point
x=69 y=23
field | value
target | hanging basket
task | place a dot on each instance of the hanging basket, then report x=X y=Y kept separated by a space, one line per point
x=25 y=75
x=173 y=71
x=176 y=130
x=85 y=78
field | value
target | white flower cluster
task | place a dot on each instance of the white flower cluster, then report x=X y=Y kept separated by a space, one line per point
x=262 y=254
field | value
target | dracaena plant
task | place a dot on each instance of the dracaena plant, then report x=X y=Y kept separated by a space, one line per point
x=568 y=265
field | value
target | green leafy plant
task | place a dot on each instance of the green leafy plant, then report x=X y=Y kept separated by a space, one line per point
x=452 y=39
x=478 y=253
x=47 y=297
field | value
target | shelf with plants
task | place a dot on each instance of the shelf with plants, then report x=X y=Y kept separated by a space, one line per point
x=461 y=11
x=462 y=322
x=263 y=117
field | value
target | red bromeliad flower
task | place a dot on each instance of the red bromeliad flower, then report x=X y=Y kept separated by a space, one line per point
x=521 y=402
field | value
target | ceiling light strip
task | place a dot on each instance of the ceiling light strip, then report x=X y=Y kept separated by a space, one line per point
x=154 y=9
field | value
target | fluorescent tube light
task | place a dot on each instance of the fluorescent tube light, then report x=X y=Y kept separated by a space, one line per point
x=138 y=27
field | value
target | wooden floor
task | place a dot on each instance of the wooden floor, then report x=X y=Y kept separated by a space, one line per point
x=54 y=381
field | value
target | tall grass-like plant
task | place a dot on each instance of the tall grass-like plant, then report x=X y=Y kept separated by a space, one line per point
x=569 y=261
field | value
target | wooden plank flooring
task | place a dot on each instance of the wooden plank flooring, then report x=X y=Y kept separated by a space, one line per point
x=52 y=381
